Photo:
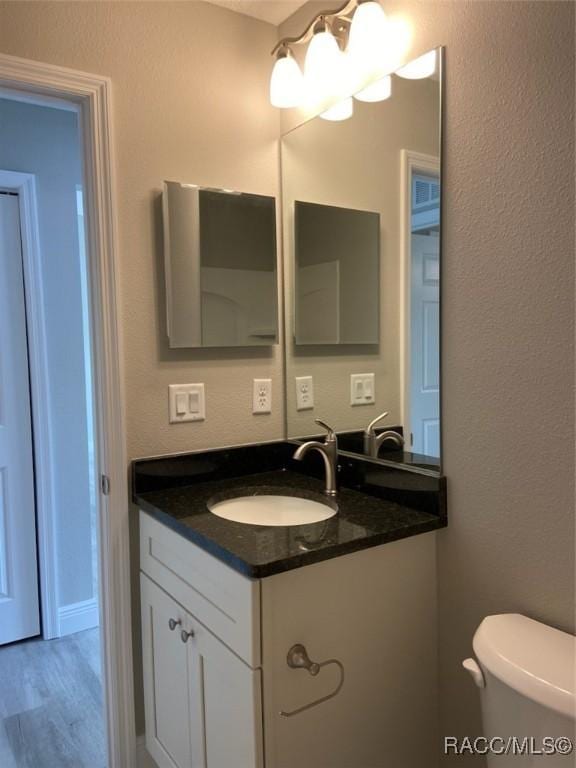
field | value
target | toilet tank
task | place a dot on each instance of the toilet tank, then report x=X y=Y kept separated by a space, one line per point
x=527 y=679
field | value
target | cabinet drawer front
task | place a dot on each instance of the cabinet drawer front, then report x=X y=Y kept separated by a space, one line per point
x=226 y=602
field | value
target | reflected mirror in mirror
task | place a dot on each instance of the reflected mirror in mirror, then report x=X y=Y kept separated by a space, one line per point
x=220 y=265
x=337 y=264
x=361 y=224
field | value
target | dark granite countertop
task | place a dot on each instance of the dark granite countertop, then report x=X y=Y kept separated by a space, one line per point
x=363 y=520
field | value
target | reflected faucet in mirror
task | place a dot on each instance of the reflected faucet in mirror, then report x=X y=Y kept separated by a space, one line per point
x=329 y=452
x=373 y=441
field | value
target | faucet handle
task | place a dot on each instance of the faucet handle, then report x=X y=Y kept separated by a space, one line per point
x=331 y=434
x=375 y=421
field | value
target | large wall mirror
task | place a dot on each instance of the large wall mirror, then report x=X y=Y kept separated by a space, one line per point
x=220 y=264
x=361 y=228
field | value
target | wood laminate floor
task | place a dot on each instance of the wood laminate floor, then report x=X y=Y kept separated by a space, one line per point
x=51 y=712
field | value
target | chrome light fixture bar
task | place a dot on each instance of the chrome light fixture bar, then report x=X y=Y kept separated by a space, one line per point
x=326 y=34
x=324 y=18
x=352 y=47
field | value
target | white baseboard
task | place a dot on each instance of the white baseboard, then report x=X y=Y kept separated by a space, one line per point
x=143 y=759
x=77 y=617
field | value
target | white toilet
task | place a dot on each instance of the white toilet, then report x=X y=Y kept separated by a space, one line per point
x=527 y=677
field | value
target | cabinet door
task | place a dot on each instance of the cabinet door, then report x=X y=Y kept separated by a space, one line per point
x=172 y=699
x=231 y=703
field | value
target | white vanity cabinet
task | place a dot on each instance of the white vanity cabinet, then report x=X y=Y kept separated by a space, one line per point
x=202 y=702
x=214 y=696
x=201 y=656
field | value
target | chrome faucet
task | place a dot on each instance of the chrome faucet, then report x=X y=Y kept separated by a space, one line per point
x=373 y=442
x=329 y=452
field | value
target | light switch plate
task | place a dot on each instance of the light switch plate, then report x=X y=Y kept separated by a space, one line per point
x=362 y=389
x=304 y=393
x=262 y=396
x=186 y=402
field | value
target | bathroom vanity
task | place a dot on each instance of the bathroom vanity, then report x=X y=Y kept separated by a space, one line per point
x=226 y=608
x=310 y=644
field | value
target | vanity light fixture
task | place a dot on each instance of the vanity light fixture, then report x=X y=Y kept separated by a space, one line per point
x=354 y=45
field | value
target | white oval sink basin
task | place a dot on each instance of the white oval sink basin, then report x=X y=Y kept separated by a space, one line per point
x=269 y=509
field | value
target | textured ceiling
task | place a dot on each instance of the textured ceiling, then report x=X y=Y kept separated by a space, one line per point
x=272 y=11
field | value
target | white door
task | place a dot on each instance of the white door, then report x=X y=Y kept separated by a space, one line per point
x=424 y=343
x=19 y=608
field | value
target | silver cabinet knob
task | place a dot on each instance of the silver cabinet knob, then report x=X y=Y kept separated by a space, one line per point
x=173 y=623
x=185 y=636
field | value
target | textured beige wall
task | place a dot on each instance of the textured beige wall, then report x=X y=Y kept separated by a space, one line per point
x=355 y=164
x=190 y=87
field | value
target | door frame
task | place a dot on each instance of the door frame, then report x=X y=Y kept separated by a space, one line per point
x=92 y=96
x=410 y=162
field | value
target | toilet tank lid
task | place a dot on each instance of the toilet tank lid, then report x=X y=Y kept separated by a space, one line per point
x=536 y=660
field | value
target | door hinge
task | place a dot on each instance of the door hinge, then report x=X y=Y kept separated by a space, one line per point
x=105 y=484
x=411 y=439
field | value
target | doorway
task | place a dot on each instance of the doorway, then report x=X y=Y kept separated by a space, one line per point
x=421 y=322
x=55 y=595
x=91 y=96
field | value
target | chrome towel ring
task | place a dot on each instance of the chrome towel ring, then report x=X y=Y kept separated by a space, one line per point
x=297 y=658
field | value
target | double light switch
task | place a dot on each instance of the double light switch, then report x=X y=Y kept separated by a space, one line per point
x=362 y=389
x=187 y=402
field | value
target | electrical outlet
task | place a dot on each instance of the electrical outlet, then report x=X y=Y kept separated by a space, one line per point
x=262 y=396
x=304 y=393
x=362 y=389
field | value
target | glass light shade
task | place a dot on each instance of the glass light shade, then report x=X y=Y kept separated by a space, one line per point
x=342 y=110
x=400 y=34
x=367 y=43
x=423 y=66
x=286 y=83
x=378 y=91
x=322 y=66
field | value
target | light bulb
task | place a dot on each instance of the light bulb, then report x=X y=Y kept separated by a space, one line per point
x=286 y=82
x=367 y=43
x=423 y=66
x=342 y=110
x=322 y=66
x=378 y=91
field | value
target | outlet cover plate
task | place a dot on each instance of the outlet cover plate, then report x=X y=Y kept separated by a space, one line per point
x=262 y=396
x=304 y=393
